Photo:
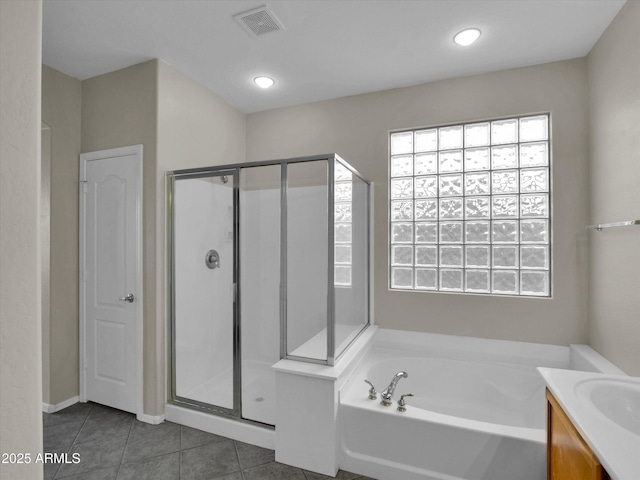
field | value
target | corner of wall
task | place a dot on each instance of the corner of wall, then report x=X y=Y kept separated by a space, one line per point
x=61 y=110
x=20 y=275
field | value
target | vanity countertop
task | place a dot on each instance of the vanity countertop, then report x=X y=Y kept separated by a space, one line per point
x=605 y=409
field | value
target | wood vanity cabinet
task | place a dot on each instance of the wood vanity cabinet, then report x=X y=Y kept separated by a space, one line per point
x=568 y=455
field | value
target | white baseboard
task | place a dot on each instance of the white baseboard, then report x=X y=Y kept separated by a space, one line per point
x=151 y=419
x=143 y=417
x=47 y=408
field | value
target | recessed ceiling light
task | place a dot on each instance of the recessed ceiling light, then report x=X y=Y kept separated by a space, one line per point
x=264 y=82
x=467 y=37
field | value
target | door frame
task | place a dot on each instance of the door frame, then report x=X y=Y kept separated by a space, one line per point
x=171 y=177
x=135 y=150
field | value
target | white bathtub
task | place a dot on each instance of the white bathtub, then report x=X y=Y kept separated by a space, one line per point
x=478 y=412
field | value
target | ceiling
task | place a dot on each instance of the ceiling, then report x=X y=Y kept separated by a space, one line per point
x=327 y=49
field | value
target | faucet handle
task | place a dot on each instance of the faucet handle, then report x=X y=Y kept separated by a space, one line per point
x=402 y=404
x=372 y=391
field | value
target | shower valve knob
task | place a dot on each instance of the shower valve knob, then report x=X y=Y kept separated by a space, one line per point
x=212 y=259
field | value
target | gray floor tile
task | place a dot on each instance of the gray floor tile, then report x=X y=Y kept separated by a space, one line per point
x=192 y=437
x=113 y=445
x=95 y=456
x=341 y=475
x=251 y=456
x=102 y=474
x=75 y=413
x=105 y=426
x=141 y=430
x=151 y=441
x=233 y=476
x=98 y=410
x=50 y=468
x=209 y=461
x=165 y=467
x=273 y=471
x=61 y=436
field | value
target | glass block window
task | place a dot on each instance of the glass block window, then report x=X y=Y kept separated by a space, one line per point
x=343 y=192
x=470 y=208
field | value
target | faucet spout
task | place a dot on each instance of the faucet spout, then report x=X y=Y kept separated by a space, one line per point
x=387 y=394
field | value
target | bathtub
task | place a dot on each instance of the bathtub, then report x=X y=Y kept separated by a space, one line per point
x=478 y=410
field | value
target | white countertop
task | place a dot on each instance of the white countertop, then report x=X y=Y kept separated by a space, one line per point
x=617 y=448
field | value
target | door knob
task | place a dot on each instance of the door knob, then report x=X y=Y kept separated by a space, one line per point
x=129 y=298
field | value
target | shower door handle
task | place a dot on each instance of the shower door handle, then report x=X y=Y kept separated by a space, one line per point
x=129 y=298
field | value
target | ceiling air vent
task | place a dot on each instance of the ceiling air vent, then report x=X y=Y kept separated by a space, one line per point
x=258 y=21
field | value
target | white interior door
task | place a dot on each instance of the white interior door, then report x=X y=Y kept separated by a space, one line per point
x=111 y=277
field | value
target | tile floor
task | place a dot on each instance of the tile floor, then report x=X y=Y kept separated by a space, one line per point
x=113 y=445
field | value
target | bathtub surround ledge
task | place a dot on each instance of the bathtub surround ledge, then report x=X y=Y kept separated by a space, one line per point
x=584 y=358
x=307 y=401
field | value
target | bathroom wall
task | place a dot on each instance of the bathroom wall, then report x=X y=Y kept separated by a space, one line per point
x=20 y=320
x=61 y=110
x=120 y=109
x=614 y=103
x=181 y=125
x=357 y=128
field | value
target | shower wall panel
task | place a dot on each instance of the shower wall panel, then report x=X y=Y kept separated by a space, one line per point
x=259 y=289
x=260 y=286
x=307 y=243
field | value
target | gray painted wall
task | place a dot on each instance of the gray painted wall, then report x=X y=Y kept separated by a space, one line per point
x=20 y=311
x=61 y=111
x=614 y=107
x=357 y=128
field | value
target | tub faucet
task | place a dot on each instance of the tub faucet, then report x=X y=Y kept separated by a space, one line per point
x=387 y=393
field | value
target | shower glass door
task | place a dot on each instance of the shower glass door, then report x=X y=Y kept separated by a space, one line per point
x=204 y=332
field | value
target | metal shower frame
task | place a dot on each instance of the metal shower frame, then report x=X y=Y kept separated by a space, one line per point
x=235 y=169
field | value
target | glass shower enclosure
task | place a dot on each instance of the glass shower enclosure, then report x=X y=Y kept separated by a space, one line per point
x=267 y=261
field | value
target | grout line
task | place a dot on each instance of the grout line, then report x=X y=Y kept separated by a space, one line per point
x=57 y=470
x=235 y=449
x=124 y=450
x=180 y=455
x=75 y=439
